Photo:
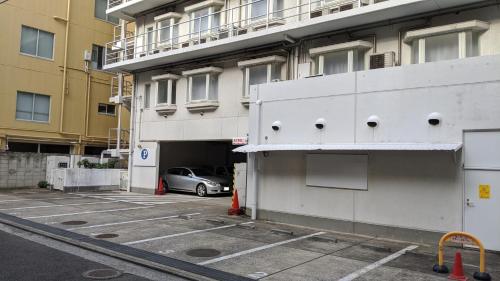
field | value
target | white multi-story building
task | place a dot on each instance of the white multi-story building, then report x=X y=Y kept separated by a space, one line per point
x=363 y=116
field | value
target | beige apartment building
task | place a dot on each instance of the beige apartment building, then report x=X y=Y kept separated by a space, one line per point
x=55 y=97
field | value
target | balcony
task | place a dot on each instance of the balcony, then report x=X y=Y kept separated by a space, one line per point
x=232 y=31
x=126 y=9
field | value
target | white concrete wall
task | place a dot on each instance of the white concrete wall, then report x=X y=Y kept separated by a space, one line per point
x=417 y=190
x=18 y=169
x=405 y=189
x=76 y=177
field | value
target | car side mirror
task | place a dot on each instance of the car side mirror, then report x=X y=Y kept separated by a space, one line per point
x=190 y=175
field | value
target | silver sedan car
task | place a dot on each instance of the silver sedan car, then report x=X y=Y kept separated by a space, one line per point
x=198 y=180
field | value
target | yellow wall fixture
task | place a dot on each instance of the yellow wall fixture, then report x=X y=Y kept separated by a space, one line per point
x=467 y=239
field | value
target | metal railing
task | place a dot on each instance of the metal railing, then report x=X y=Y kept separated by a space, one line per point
x=113 y=139
x=127 y=87
x=225 y=23
x=114 y=3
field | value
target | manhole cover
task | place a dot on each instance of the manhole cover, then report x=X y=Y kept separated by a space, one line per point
x=203 y=253
x=106 y=235
x=74 y=222
x=102 y=274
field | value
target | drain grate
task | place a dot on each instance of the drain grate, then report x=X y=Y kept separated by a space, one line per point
x=102 y=274
x=203 y=253
x=106 y=235
x=73 y=222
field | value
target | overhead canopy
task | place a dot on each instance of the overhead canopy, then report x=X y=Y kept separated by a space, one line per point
x=250 y=148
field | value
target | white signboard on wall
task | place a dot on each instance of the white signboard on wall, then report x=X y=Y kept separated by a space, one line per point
x=337 y=171
x=145 y=156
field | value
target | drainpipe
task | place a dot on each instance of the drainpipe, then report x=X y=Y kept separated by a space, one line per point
x=65 y=67
x=133 y=107
x=87 y=99
x=255 y=168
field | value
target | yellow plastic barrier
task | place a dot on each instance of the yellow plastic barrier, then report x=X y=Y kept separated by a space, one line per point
x=464 y=238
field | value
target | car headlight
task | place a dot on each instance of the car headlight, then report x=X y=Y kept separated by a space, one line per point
x=213 y=183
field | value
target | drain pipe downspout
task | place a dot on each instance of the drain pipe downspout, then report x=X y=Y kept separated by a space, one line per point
x=65 y=67
x=254 y=156
x=133 y=108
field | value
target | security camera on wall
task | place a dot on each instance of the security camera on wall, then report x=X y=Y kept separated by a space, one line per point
x=276 y=126
x=434 y=118
x=320 y=123
x=372 y=121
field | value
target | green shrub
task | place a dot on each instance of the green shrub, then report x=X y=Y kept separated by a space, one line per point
x=43 y=184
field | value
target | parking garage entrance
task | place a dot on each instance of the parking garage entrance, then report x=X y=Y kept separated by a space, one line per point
x=215 y=160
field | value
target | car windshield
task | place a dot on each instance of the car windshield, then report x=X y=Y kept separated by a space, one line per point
x=201 y=172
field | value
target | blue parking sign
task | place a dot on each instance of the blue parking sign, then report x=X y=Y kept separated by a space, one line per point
x=144 y=154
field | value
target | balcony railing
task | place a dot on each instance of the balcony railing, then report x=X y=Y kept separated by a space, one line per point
x=114 y=3
x=230 y=22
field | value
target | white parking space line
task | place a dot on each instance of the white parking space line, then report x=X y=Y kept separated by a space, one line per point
x=133 y=221
x=182 y=234
x=143 y=199
x=50 y=206
x=259 y=248
x=38 y=199
x=376 y=264
x=88 y=212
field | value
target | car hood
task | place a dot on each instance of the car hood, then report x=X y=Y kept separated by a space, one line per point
x=214 y=179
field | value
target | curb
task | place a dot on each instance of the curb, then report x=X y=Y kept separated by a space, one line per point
x=141 y=257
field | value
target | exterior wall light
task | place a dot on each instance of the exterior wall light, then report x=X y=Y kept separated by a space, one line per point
x=372 y=121
x=434 y=118
x=276 y=126
x=320 y=123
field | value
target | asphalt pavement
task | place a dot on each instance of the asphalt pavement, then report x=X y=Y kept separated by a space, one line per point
x=24 y=260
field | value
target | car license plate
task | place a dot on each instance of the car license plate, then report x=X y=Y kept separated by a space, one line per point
x=226 y=188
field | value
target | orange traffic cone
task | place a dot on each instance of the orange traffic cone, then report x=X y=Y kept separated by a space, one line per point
x=235 y=205
x=160 y=190
x=458 y=269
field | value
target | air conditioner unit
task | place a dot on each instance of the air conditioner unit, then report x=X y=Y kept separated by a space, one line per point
x=382 y=60
x=87 y=55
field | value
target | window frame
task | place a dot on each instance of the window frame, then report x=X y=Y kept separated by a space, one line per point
x=270 y=9
x=416 y=38
x=462 y=43
x=33 y=107
x=269 y=62
x=171 y=80
x=209 y=73
x=107 y=20
x=52 y=58
x=147 y=101
x=214 y=11
x=356 y=50
x=107 y=106
x=103 y=58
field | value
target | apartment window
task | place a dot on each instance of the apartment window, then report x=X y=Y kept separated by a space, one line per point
x=261 y=71
x=446 y=42
x=107 y=109
x=168 y=29
x=97 y=57
x=147 y=95
x=205 y=17
x=166 y=85
x=258 y=9
x=100 y=12
x=150 y=39
x=340 y=58
x=36 y=42
x=203 y=84
x=32 y=107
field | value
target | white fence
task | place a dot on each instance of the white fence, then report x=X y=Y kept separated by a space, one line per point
x=77 y=179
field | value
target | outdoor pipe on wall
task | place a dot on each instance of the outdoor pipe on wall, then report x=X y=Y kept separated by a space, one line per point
x=65 y=67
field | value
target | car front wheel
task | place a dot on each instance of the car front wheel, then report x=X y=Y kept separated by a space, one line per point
x=201 y=190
